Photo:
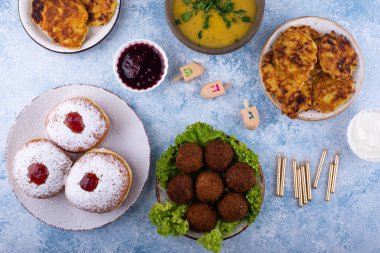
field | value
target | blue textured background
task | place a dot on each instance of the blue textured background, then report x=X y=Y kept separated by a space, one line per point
x=349 y=223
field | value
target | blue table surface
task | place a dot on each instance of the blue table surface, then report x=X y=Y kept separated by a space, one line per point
x=349 y=223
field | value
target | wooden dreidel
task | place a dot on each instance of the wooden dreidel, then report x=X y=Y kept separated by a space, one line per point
x=190 y=72
x=250 y=116
x=214 y=89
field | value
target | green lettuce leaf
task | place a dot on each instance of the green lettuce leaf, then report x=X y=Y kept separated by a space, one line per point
x=244 y=154
x=199 y=133
x=165 y=166
x=169 y=219
x=212 y=240
x=226 y=228
x=254 y=199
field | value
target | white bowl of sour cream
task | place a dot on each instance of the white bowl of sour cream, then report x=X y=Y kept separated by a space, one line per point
x=363 y=135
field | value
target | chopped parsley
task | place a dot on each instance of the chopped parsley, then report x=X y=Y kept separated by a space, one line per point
x=200 y=35
x=224 y=8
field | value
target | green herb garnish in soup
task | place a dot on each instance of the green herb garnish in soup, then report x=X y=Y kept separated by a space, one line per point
x=214 y=23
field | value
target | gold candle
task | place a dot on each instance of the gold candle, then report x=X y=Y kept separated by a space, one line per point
x=283 y=173
x=335 y=172
x=295 y=183
x=329 y=183
x=319 y=170
x=303 y=180
x=308 y=183
x=300 y=198
x=278 y=174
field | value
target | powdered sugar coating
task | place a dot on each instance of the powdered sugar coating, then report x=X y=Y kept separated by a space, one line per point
x=114 y=182
x=95 y=125
x=45 y=152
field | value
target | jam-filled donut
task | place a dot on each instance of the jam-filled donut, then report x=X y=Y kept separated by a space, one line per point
x=99 y=181
x=77 y=124
x=39 y=168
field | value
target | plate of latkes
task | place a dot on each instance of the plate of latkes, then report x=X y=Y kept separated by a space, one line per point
x=93 y=178
x=68 y=26
x=311 y=68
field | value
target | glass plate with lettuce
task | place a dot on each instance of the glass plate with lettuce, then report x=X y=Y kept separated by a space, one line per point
x=168 y=217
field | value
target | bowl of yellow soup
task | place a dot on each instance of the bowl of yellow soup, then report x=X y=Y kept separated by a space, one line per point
x=214 y=26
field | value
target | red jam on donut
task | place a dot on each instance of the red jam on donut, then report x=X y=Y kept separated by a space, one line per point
x=38 y=173
x=74 y=121
x=89 y=182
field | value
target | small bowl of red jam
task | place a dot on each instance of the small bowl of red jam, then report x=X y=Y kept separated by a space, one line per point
x=140 y=65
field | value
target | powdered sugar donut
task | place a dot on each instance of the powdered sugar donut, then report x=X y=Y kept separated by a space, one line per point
x=77 y=124
x=99 y=181
x=39 y=168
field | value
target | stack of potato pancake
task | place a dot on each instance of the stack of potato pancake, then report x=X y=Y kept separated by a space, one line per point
x=306 y=70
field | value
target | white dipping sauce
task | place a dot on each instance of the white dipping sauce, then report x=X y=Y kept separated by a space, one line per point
x=364 y=135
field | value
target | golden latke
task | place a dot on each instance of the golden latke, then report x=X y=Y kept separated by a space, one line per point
x=278 y=82
x=329 y=93
x=99 y=11
x=310 y=32
x=36 y=12
x=302 y=102
x=65 y=21
x=336 y=55
x=295 y=53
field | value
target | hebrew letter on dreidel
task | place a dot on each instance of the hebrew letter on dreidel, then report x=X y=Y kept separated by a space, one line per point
x=190 y=72
x=214 y=89
x=250 y=116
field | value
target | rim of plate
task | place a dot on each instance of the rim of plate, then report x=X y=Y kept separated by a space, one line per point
x=343 y=107
x=143 y=41
x=244 y=227
x=74 y=50
x=14 y=123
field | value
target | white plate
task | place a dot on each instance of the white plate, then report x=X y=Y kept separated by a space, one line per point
x=94 y=36
x=126 y=136
x=323 y=26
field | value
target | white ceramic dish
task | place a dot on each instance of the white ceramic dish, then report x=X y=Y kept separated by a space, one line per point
x=323 y=26
x=126 y=136
x=137 y=41
x=351 y=141
x=95 y=34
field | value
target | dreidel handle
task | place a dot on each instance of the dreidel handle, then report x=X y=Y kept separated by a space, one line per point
x=177 y=78
x=246 y=105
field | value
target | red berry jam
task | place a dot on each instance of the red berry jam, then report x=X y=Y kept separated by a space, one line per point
x=89 y=182
x=38 y=173
x=75 y=122
x=140 y=66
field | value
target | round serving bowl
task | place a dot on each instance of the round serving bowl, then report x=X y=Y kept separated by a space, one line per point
x=119 y=52
x=351 y=140
x=95 y=34
x=260 y=6
x=321 y=25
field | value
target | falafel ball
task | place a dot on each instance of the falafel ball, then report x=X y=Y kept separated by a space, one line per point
x=189 y=158
x=180 y=189
x=218 y=155
x=240 y=178
x=209 y=186
x=201 y=217
x=232 y=207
